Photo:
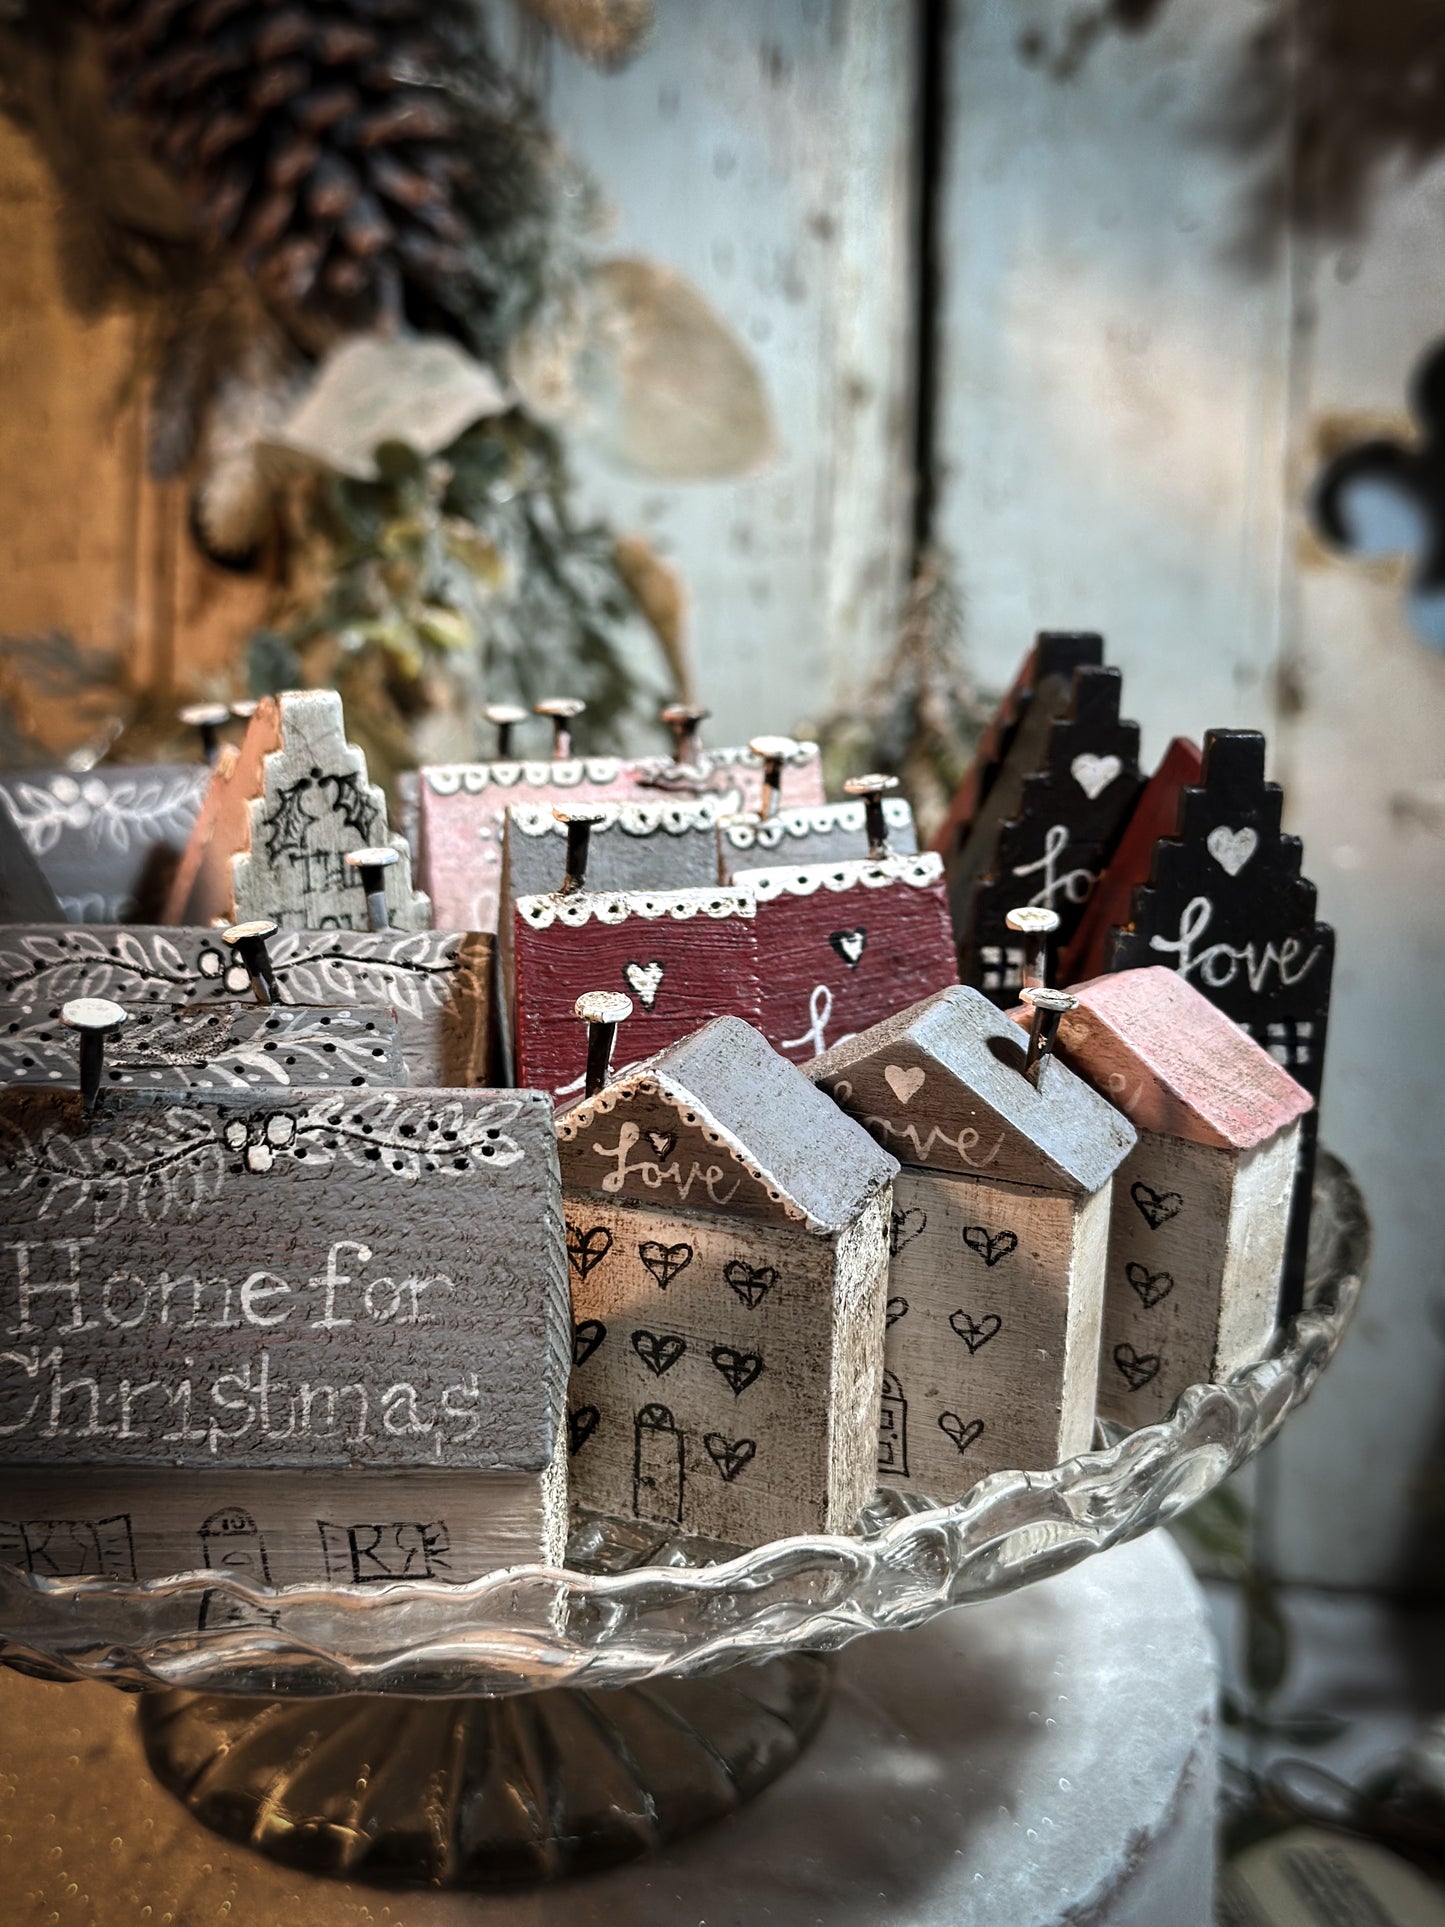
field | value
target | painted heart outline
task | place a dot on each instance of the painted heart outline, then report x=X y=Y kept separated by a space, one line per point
x=659 y=1351
x=991 y=1246
x=975 y=1332
x=1232 y=848
x=1094 y=774
x=644 y=980
x=587 y=1335
x=904 y=1227
x=729 y=1455
x=664 y=1261
x=587 y=1249
x=1137 y=1368
x=738 y=1368
x=896 y=1308
x=962 y=1434
x=904 y=1080
x=751 y=1283
x=1155 y=1207
x=850 y=945
x=581 y=1424
x=660 y=1143
x=1151 y=1287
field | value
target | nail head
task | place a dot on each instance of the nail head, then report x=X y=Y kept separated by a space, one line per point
x=94 y=1014
x=1059 y=1001
x=204 y=715
x=870 y=785
x=1032 y=920
x=238 y=933
x=603 y=1007
x=773 y=749
x=504 y=715
x=562 y=708
x=380 y=858
x=590 y=813
x=685 y=713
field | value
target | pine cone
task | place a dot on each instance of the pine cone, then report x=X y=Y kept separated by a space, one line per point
x=313 y=136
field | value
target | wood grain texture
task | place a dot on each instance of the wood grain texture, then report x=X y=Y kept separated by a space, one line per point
x=254 y=1283
x=1174 y=1064
x=109 y=840
x=313 y=805
x=1155 y=814
x=637 y=846
x=941 y=1085
x=202 y=889
x=437 y=982
x=825 y=833
x=842 y=945
x=722 y=1115
x=726 y=1374
x=1195 y=1248
x=683 y=956
x=26 y=895
x=221 y=1047
x=281 y=1528
x=1071 y=811
x=995 y=1301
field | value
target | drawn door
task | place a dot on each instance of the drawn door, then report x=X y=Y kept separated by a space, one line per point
x=657 y=1467
x=893 y=1429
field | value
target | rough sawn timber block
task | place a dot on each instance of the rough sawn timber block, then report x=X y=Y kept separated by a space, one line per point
x=682 y=956
x=310 y=1290
x=843 y=945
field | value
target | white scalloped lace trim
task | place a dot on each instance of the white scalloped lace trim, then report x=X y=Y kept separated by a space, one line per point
x=583 y=906
x=919 y=872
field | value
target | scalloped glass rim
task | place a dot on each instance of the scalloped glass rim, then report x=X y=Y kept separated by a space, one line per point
x=531 y=1627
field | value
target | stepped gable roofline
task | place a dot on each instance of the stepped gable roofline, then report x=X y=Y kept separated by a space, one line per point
x=1185 y=1069
x=1080 y=1142
x=791 y=1138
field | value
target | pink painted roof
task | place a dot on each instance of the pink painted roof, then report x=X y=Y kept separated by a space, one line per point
x=1174 y=1064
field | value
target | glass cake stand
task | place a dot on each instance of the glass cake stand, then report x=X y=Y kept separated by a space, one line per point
x=541 y=1721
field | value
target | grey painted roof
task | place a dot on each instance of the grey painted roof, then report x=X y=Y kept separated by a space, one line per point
x=1060 y=1133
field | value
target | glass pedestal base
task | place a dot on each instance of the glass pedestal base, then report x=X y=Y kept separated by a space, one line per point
x=483 y=1792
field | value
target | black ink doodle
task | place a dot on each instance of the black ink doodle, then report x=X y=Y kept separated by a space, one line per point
x=658 y=1465
x=288 y=825
x=904 y=1228
x=351 y=803
x=897 y=1308
x=1156 y=1207
x=586 y=1249
x=850 y=945
x=587 y=1335
x=976 y=1332
x=893 y=1427
x=1137 y=1367
x=953 y=1427
x=991 y=1246
x=738 y=1368
x=729 y=1455
x=664 y=1261
x=1153 y=1287
x=581 y=1424
x=658 y=1352
x=752 y=1283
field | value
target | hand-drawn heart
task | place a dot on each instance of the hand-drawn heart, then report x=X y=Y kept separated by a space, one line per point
x=1094 y=774
x=581 y=1424
x=991 y=1246
x=976 y=1332
x=586 y=1249
x=752 y=1283
x=729 y=1455
x=664 y=1261
x=897 y=1308
x=850 y=945
x=644 y=980
x=1138 y=1367
x=904 y=1083
x=953 y=1427
x=658 y=1353
x=586 y=1337
x=1157 y=1207
x=660 y=1142
x=738 y=1368
x=1153 y=1287
x=1231 y=849
x=904 y=1228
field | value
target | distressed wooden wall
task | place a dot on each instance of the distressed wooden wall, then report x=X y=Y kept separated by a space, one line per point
x=1127 y=405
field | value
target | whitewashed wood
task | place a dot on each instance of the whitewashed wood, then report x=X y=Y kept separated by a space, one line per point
x=738 y=1399
x=766 y=152
x=315 y=804
x=280 y=1528
x=321 y=1282
x=995 y=1300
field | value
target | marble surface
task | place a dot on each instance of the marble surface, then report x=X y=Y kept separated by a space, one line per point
x=1040 y=1759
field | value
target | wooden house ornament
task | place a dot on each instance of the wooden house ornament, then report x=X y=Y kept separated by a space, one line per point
x=109 y=838
x=1071 y=811
x=340 y=1318
x=437 y=982
x=843 y=945
x=683 y=956
x=1041 y=690
x=727 y=1231
x=1225 y=905
x=999 y=1238
x=281 y=815
x=1201 y=1204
